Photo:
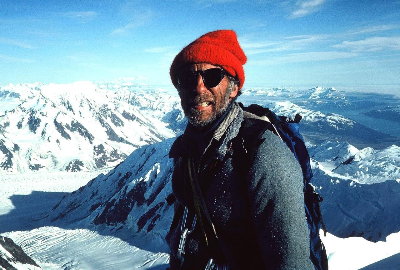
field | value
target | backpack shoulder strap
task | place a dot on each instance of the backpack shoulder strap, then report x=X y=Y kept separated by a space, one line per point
x=248 y=140
x=271 y=126
x=288 y=130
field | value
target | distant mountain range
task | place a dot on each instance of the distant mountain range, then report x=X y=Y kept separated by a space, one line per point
x=329 y=114
x=81 y=126
x=86 y=126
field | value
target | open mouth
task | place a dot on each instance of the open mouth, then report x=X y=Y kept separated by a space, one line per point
x=201 y=104
x=205 y=104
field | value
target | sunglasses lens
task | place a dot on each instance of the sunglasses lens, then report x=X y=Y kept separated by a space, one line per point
x=187 y=79
x=212 y=77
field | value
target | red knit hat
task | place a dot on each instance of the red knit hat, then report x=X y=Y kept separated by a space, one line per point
x=220 y=48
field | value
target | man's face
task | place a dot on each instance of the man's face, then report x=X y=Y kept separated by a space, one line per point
x=203 y=105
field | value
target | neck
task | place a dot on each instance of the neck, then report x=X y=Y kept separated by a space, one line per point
x=201 y=136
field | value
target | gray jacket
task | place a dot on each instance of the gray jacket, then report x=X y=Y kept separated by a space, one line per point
x=253 y=189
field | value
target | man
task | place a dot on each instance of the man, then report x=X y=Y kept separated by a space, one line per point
x=238 y=188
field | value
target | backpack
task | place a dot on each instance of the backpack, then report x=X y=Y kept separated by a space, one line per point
x=288 y=130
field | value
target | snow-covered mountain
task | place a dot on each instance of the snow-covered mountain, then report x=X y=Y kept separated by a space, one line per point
x=356 y=164
x=390 y=113
x=131 y=199
x=329 y=114
x=80 y=126
x=13 y=257
x=85 y=126
x=360 y=187
x=134 y=195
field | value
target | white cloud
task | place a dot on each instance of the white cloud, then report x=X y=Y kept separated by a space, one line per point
x=371 y=44
x=138 y=20
x=16 y=43
x=306 y=57
x=292 y=43
x=305 y=40
x=256 y=45
x=10 y=59
x=82 y=16
x=316 y=56
x=376 y=28
x=306 y=7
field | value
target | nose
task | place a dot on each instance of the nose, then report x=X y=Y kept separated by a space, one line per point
x=200 y=87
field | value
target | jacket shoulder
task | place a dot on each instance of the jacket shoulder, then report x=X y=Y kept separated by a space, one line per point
x=253 y=128
x=177 y=148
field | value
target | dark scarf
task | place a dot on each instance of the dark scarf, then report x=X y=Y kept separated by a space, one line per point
x=200 y=137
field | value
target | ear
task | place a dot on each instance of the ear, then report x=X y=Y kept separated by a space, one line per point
x=235 y=91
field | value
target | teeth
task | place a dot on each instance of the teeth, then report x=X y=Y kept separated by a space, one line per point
x=205 y=104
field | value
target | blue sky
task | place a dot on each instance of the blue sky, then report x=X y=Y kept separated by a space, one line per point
x=346 y=44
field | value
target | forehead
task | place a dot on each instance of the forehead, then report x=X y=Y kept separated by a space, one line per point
x=201 y=66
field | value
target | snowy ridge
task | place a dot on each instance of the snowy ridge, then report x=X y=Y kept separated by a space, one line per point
x=357 y=185
x=316 y=94
x=365 y=166
x=334 y=120
x=391 y=113
x=131 y=198
x=322 y=95
x=319 y=127
x=351 y=209
x=13 y=257
x=366 y=127
x=73 y=127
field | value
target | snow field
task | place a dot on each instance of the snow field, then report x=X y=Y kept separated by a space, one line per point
x=25 y=183
x=355 y=252
x=56 y=248
x=82 y=249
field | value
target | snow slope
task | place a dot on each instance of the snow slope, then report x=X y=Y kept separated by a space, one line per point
x=27 y=198
x=117 y=220
x=130 y=198
x=13 y=257
x=356 y=252
x=57 y=248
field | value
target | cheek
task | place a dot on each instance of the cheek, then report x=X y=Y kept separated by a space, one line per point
x=234 y=92
x=220 y=101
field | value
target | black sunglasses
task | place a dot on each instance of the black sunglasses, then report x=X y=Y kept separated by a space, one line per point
x=187 y=79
